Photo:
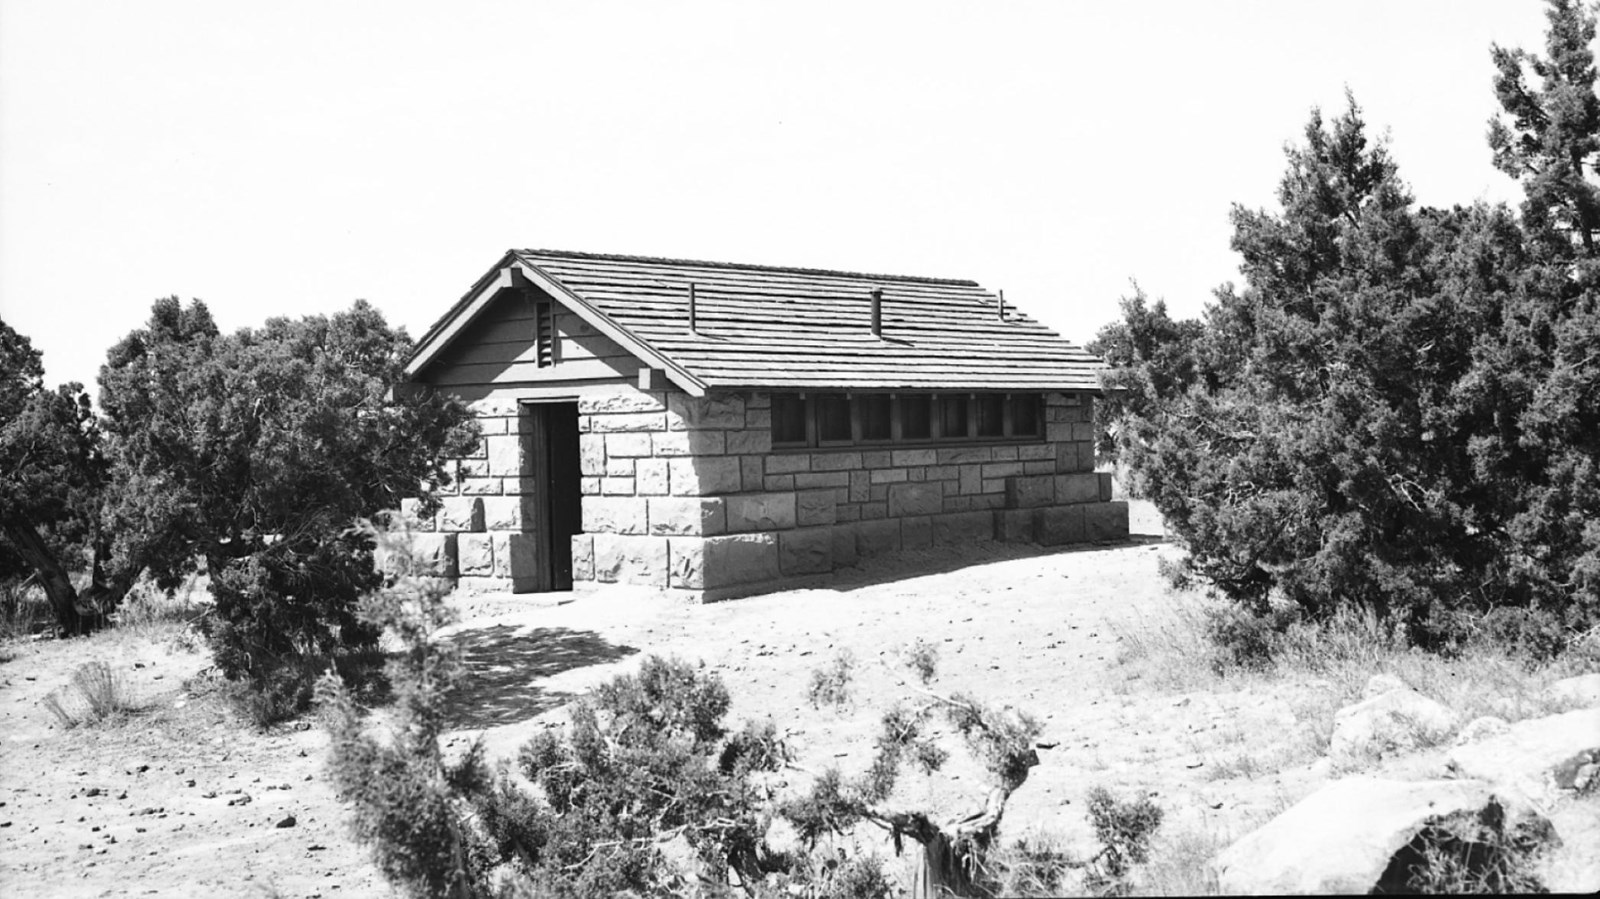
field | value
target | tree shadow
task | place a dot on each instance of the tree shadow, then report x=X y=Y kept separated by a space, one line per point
x=504 y=663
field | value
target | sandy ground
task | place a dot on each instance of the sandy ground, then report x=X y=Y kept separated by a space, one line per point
x=183 y=799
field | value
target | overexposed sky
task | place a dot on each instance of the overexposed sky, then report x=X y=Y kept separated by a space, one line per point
x=289 y=157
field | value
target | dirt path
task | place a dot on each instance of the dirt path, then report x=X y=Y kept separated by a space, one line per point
x=156 y=805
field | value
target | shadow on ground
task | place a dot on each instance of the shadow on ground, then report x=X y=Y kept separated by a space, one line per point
x=503 y=662
x=907 y=564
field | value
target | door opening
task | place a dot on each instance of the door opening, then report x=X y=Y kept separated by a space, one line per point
x=551 y=494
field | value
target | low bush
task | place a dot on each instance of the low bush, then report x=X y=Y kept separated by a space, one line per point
x=95 y=694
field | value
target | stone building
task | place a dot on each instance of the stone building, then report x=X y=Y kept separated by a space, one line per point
x=712 y=430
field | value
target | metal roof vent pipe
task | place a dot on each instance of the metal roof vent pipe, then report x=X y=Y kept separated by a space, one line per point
x=694 y=323
x=1002 y=305
x=877 y=312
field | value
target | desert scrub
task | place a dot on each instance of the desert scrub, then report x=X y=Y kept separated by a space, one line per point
x=830 y=684
x=96 y=693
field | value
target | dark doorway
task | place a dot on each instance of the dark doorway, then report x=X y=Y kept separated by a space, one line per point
x=551 y=514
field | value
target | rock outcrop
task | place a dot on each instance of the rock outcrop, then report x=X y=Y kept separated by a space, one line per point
x=1357 y=833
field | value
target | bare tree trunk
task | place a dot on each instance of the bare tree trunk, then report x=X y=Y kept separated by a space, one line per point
x=57 y=586
x=951 y=853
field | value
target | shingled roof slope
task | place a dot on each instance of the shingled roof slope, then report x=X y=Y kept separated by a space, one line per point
x=765 y=326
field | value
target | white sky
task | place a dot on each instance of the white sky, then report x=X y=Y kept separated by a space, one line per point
x=289 y=157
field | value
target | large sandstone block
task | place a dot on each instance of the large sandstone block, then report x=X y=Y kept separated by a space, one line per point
x=806 y=551
x=704 y=476
x=521 y=558
x=963 y=455
x=687 y=515
x=583 y=557
x=432 y=554
x=1030 y=492
x=761 y=511
x=482 y=486
x=461 y=513
x=1014 y=525
x=592 y=454
x=916 y=532
x=878 y=536
x=845 y=551
x=740 y=559
x=686 y=563
x=1105 y=485
x=411 y=514
x=758 y=440
x=651 y=477
x=629 y=444
x=475 y=555
x=814 y=507
x=751 y=472
x=505 y=455
x=1082 y=487
x=910 y=457
x=628 y=421
x=720 y=410
x=1058 y=525
x=626 y=559
x=494 y=407
x=1105 y=521
x=924 y=498
x=625 y=401
x=615 y=515
x=788 y=463
x=835 y=461
x=689 y=443
x=502 y=513
x=963 y=527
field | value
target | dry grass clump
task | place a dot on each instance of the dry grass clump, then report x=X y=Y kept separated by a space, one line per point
x=1178 y=652
x=152 y=613
x=95 y=694
x=24 y=610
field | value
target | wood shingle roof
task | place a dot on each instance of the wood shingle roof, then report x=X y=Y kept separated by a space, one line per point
x=763 y=326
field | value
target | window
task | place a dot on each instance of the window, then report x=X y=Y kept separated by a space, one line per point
x=916 y=417
x=872 y=417
x=835 y=419
x=788 y=420
x=991 y=415
x=1025 y=415
x=953 y=415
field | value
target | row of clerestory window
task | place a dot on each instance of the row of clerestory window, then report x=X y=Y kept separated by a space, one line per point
x=847 y=419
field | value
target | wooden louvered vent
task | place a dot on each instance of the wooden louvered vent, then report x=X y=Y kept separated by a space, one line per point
x=545 y=332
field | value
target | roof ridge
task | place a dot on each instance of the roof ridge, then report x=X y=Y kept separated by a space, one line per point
x=793 y=270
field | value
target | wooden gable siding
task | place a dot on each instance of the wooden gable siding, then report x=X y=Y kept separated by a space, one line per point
x=498 y=348
x=802 y=328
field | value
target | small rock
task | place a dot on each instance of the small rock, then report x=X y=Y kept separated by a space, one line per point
x=1380 y=684
x=1481 y=728
x=240 y=800
x=287 y=821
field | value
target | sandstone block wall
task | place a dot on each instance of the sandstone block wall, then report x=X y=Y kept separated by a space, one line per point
x=687 y=495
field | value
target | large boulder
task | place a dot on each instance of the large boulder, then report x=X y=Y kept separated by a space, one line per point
x=1393 y=720
x=1542 y=757
x=1581 y=692
x=1357 y=833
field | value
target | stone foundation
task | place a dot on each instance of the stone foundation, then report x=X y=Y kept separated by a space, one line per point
x=686 y=495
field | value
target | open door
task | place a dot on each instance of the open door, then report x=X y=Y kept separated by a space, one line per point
x=551 y=494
